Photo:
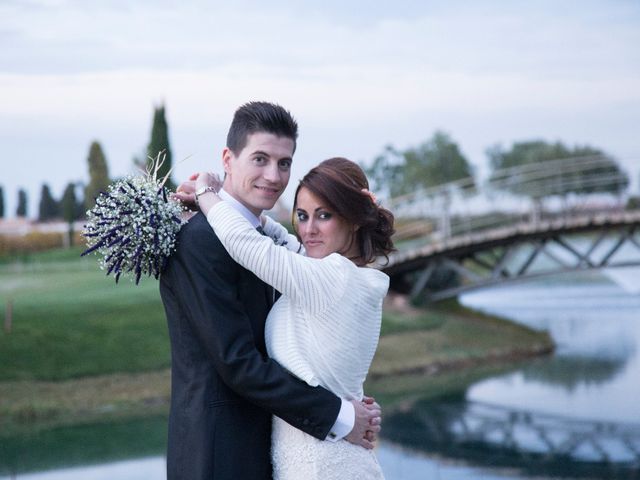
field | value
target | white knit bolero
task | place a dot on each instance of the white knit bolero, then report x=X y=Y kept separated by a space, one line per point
x=325 y=327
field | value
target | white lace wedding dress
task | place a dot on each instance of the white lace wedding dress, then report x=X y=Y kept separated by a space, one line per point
x=324 y=329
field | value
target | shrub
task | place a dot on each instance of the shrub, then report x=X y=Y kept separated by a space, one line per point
x=11 y=245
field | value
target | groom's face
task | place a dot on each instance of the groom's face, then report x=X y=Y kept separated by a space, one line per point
x=258 y=174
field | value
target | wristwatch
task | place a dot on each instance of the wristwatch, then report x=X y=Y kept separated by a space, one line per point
x=202 y=191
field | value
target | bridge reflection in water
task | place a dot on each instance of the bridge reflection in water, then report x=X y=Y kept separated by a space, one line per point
x=535 y=443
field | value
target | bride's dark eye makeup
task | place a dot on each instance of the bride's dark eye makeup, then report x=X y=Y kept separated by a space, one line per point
x=302 y=216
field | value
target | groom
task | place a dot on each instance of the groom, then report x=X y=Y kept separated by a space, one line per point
x=224 y=387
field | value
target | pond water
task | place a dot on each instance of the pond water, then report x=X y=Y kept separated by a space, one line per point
x=575 y=414
x=595 y=372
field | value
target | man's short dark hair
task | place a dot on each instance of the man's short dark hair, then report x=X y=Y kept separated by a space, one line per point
x=256 y=117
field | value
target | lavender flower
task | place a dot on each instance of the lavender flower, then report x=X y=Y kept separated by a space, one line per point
x=133 y=226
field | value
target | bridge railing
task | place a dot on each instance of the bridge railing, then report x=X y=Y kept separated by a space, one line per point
x=526 y=194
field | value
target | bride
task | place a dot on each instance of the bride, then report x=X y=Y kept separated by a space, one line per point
x=325 y=326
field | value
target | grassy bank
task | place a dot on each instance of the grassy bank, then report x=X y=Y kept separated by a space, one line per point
x=427 y=353
x=449 y=336
x=84 y=349
x=70 y=321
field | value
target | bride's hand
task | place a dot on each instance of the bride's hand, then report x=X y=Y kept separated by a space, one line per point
x=185 y=193
x=209 y=197
x=207 y=179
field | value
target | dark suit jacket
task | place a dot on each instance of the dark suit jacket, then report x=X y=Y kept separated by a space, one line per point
x=224 y=388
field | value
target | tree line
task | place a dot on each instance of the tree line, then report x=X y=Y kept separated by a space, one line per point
x=71 y=206
x=392 y=173
x=439 y=160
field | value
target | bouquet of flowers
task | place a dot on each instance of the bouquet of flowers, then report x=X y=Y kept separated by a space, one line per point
x=133 y=226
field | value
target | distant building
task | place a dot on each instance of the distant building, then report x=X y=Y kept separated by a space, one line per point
x=21 y=226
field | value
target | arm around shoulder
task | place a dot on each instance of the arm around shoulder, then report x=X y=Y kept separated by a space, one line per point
x=207 y=289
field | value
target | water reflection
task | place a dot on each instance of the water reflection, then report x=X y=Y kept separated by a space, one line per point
x=595 y=371
x=139 y=469
x=572 y=371
x=493 y=436
x=68 y=446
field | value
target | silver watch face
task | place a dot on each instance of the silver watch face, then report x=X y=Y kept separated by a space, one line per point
x=201 y=190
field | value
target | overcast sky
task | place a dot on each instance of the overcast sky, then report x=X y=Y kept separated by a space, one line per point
x=356 y=75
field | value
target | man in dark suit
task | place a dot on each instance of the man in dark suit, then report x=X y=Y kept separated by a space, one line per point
x=224 y=388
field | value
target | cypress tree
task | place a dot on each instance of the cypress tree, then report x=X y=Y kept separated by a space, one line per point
x=80 y=210
x=69 y=208
x=68 y=204
x=21 y=211
x=160 y=143
x=98 y=175
x=48 y=208
x=1 y=202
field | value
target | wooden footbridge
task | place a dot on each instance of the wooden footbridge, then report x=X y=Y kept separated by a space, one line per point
x=451 y=241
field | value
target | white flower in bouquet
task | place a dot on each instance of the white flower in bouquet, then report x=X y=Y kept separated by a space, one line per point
x=134 y=225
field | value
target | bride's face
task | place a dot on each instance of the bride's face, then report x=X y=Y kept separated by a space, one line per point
x=321 y=230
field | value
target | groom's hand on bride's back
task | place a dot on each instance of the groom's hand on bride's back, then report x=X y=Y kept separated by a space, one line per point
x=368 y=418
x=371 y=404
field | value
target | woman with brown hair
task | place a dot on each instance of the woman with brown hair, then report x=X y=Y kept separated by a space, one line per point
x=325 y=326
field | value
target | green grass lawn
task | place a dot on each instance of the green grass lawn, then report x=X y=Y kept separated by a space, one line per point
x=70 y=320
x=82 y=348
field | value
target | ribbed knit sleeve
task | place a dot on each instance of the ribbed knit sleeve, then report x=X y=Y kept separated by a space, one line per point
x=282 y=237
x=312 y=283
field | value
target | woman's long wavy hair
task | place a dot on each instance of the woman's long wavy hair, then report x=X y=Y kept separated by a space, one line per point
x=343 y=187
